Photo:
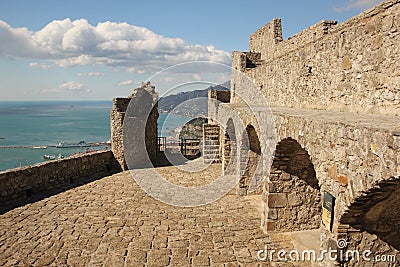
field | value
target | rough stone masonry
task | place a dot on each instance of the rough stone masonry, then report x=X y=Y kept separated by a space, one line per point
x=334 y=92
x=141 y=97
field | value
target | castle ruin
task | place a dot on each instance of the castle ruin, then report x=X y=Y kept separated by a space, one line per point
x=334 y=92
x=141 y=124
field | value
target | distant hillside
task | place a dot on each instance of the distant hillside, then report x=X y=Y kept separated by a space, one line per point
x=192 y=106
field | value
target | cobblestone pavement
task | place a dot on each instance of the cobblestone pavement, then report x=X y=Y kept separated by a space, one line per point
x=112 y=222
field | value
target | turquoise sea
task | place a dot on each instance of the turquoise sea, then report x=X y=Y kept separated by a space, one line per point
x=46 y=123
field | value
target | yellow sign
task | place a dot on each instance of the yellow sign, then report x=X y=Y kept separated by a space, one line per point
x=327 y=210
x=326 y=218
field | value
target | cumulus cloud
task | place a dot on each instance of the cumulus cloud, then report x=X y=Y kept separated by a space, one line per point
x=69 y=43
x=65 y=87
x=91 y=74
x=38 y=65
x=357 y=4
x=71 y=86
x=128 y=82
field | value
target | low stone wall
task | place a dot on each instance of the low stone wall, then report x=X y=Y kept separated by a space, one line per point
x=26 y=181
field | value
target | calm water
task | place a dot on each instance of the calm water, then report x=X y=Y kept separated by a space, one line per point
x=50 y=122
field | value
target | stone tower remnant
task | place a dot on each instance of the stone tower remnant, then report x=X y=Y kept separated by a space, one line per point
x=142 y=108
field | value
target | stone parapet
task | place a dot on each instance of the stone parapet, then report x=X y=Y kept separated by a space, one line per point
x=26 y=181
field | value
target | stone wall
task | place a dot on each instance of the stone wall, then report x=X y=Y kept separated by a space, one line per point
x=26 y=181
x=341 y=153
x=334 y=90
x=117 y=116
x=214 y=98
x=250 y=145
x=351 y=154
x=372 y=222
x=292 y=193
x=351 y=66
x=348 y=157
x=142 y=106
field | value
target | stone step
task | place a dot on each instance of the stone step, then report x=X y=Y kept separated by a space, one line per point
x=211 y=155
x=211 y=147
x=211 y=137
x=212 y=132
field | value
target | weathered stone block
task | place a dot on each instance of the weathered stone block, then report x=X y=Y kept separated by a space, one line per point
x=333 y=172
x=272 y=214
x=343 y=180
x=271 y=187
x=294 y=199
x=285 y=176
x=277 y=200
x=270 y=226
x=346 y=63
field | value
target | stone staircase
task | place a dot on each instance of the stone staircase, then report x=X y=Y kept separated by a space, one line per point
x=211 y=151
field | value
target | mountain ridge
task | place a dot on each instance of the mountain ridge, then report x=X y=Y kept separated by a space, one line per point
x=189 y=104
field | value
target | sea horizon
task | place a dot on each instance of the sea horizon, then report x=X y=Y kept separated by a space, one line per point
x=47 y=123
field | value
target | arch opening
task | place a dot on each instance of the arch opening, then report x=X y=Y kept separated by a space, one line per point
x=373 y=220
x=229 y=148
x=293 y=199
x=250 y=168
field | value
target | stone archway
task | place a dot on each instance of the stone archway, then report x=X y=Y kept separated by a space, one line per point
x=373 y=222
x=250 y=146
x=292 y=193
x=229 y=148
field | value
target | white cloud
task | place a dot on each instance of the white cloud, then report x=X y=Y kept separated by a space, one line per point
x=71 y=86
x=197 y=77
x=67 y=87
x=69 y=43
x=357 y=4
x=135 y=70
x=38 y=65
x=75 y=61
x=91 y=74
x=128 y=82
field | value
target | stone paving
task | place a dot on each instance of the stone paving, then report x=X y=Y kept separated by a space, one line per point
x=112 y=222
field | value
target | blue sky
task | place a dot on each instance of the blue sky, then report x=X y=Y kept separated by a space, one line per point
x=102 y=49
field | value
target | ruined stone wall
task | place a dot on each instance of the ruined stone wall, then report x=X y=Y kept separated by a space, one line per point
x=144 y=105
x=214 y=98
x=117 y=116
x=352 y=66
x=26 y=181
x=250 y=145
x=152 y=134
x=271 y=34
